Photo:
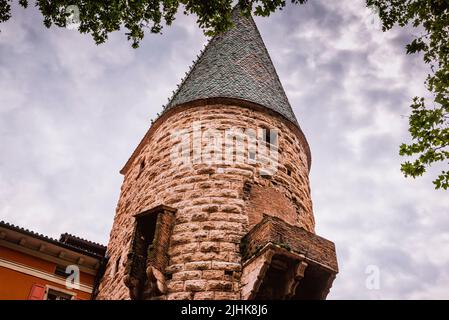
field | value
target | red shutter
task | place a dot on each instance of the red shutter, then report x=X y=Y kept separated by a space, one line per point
x=37 y=292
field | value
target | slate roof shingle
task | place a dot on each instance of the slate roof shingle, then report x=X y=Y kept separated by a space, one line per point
x=235 y=64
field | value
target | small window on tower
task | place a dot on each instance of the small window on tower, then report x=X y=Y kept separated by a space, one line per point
x=289 y=170
x=117 y=265
x=229 y=273
x=269 y=136
x=142 y=166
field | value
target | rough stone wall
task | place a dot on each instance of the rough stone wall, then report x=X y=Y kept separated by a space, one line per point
x=213 y=203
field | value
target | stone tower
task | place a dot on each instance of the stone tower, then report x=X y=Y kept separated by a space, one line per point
x=215 y=202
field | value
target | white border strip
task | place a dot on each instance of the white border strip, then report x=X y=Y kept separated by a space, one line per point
x=39 y=274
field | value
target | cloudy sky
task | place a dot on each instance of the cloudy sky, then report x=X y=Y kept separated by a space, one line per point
x=72 y=112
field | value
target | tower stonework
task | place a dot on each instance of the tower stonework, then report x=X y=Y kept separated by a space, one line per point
x=215 y=202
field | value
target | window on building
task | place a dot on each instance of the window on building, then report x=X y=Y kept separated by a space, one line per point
x=60 y=271
x=53 y=294
x=117 y=265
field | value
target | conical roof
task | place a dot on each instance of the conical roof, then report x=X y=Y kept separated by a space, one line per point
x=235 y=64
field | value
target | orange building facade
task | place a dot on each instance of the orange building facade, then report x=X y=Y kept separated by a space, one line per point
x=36 y=267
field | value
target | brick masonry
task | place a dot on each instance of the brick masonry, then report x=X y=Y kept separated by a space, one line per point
x=216 y=204
x=294 y=239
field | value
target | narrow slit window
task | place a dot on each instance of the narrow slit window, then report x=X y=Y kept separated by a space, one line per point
x=117 y=265
x=269 y=136
x=289 y=170
x=60 y=271
x=141 y=168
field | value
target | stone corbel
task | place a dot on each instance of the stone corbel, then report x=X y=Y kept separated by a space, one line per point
x=155 y=285
x=254 y=273
x=133 y=286
x=297 y=273
x=328 y=287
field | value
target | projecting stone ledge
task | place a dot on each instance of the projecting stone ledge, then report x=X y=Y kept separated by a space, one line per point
x=282 y=261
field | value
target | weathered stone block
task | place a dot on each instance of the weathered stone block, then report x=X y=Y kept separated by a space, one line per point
x=175 y=286
x=195 y=285
x=210 y=247
x=221 y=265
x=207 y=295
x=187 y=275
x=198 y=265
x=213 y=274
x=219 y=285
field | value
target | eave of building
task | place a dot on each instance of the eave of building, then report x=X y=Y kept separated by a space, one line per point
x=80 y=243
x=48 y=249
